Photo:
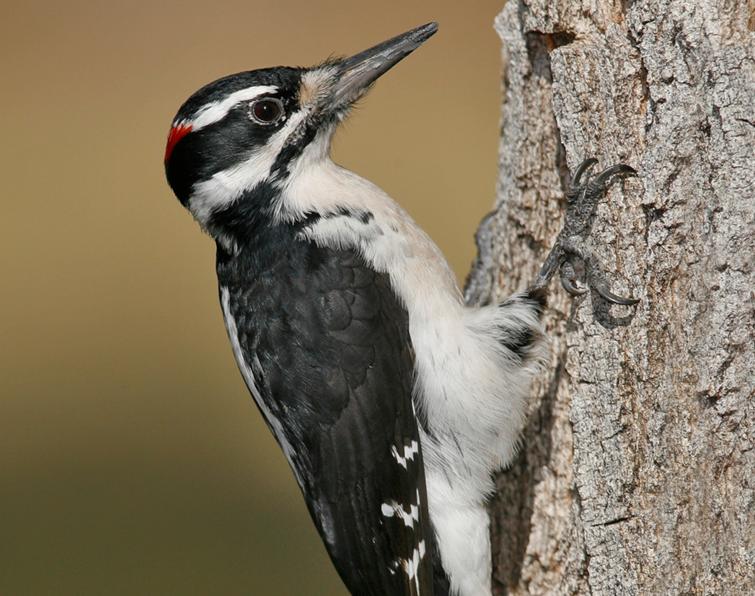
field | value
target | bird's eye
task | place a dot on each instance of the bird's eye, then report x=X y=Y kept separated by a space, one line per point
x=266 y=111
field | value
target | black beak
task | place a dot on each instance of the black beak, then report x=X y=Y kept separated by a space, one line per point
x=357 y=73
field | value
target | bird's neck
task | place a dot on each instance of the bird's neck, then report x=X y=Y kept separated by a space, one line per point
x=324 y=203
x=353 y=212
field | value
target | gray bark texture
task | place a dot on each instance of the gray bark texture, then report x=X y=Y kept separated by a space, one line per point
x=637 y=465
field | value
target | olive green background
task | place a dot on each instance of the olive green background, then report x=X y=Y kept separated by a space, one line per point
x=132 y=460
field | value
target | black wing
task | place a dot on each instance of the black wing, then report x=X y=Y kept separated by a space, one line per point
x=328 y=345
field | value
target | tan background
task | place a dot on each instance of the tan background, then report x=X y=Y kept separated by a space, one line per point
x=131 y=459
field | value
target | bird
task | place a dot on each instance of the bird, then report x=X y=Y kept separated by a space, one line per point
x=393 y=401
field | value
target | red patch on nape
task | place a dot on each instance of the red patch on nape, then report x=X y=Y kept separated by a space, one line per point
x=176 y=133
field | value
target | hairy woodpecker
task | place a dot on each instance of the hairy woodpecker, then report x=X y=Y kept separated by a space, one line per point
x=392 y=400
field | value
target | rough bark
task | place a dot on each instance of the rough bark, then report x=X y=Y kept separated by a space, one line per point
x=636 y=471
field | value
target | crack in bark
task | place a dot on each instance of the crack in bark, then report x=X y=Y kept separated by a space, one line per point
x=614 y=521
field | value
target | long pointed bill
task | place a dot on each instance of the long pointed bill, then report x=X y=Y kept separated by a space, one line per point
x=361 y=70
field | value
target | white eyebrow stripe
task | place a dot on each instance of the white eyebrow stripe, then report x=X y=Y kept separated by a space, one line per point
x=217 y=110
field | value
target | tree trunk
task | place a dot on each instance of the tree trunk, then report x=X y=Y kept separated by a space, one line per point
x=636 y=470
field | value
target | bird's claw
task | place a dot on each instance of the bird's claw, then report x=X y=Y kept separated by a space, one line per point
x=570 y=281
x=609 y=296
x=569 y=247
x=574 y=250
x=594 y=188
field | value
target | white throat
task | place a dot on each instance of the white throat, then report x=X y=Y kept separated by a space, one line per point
x=388 y=238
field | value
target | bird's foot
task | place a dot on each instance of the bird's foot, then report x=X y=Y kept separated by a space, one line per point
x=570 y=251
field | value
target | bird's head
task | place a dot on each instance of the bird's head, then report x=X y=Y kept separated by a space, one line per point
x=241 y=138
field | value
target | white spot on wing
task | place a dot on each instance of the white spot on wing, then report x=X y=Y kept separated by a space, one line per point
x=393 y=509
x=410 y=518
x=411 y=565
x=409 y=452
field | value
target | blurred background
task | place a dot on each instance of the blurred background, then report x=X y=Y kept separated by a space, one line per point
x=132 y=460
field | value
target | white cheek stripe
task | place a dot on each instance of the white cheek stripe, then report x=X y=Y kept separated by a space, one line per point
x=228 y=185
x=217 y=110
